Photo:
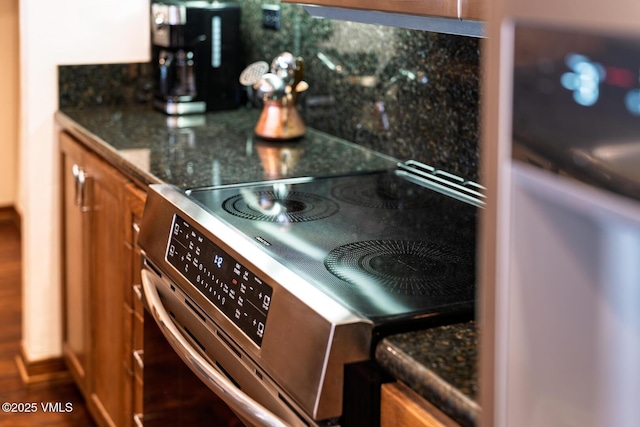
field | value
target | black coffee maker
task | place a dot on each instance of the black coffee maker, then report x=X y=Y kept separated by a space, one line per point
x=195 y=53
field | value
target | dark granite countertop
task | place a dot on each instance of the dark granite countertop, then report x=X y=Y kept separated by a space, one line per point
x=440 y=364
x=220 y=148
x=211 y=149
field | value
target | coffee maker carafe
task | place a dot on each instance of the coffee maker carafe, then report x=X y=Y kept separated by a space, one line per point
x=195 y=53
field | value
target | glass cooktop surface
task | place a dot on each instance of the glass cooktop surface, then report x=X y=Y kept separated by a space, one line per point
x=383 y=245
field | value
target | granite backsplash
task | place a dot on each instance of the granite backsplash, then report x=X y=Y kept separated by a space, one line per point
x=407 y=93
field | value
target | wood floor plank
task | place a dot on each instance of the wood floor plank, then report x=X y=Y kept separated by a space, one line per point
x=12 y=390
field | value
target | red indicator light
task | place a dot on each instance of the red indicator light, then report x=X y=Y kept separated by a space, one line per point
x=620 y=77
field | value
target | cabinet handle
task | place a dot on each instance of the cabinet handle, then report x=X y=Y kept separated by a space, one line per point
x=82 y=179
x=75 y=170
x=79 y=187
x=137 y=355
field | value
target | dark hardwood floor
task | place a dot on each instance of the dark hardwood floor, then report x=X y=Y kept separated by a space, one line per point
x=12 y=390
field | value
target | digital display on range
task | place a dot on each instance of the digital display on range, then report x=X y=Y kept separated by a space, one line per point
x=244 y=298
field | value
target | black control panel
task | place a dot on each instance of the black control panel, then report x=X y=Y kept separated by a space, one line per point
x=239 y=294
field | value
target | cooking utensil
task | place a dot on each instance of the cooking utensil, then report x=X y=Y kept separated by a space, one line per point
x=270 y=87
x=299 y=73
x=301 y=87
x=284 y=65
x=278 y=90
x=297 y=78
x=253 y=73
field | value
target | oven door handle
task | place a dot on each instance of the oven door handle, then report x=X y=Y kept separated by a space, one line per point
x=246 y=408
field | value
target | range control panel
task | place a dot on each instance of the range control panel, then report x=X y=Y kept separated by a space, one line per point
x=243 y=297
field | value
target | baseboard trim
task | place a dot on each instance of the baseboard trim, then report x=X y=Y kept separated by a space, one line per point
x=10 y=214
x=52 y=370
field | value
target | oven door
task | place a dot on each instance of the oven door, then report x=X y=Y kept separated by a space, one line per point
x=172 y=395
x=213 y=357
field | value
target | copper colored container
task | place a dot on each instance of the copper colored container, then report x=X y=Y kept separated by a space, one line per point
x=280 y=120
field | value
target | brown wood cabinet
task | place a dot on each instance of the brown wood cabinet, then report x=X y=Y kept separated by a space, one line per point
x=400 y=406
x=473 y=9
x=463 y=9
x=97 y=277
x=75 y=280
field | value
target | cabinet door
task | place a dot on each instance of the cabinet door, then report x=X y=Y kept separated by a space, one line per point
x=400 y=406
x=75 y=267
x=108 y=278
x=97 y=276
x=440 y=8
x=473 y=10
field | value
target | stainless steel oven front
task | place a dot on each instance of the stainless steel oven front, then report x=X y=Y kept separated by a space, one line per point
x=267 y=291
x=172 y=395
x=273 y=350
x=194 y=373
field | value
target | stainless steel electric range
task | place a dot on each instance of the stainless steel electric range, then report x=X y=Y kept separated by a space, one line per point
x=267 y=290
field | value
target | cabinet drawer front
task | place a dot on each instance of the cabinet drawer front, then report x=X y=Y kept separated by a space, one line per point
x=473 y=10
x=400 y=406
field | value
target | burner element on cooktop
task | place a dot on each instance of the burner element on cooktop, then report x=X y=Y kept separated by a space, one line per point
x=385 y=192
x=403 y=267
x=269 y=206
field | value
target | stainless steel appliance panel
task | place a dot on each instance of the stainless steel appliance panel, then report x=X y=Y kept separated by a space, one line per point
x=215 y=359
x=178 y=399
x=303 y=326
x=576 y=108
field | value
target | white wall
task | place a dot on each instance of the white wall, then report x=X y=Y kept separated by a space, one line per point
x=9 y=105
x=53 y=33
